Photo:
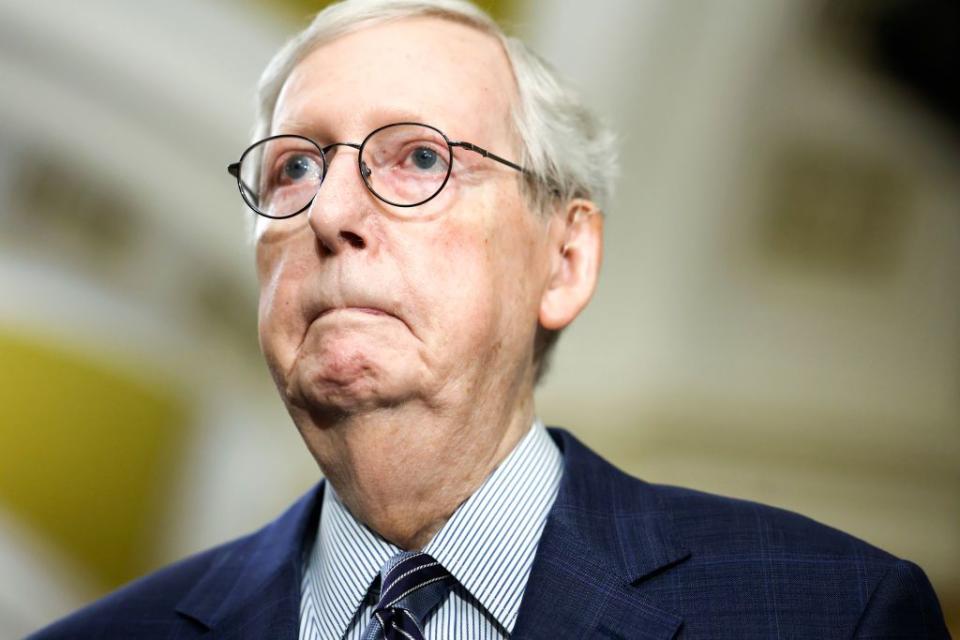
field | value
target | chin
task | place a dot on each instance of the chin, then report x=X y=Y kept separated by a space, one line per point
x=337 y=386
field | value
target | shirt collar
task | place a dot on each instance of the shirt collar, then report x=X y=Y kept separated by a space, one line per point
x=490 y=541
x=488 y=544
x=345 y=559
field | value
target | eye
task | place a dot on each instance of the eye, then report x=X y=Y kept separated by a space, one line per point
x=296 y=167
x=424 y=158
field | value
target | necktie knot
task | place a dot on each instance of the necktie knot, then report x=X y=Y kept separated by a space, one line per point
x=412 y=584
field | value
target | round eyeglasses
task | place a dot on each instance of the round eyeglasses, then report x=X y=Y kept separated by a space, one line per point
x=404 y=164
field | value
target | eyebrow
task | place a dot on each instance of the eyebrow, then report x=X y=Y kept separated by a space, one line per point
x=304 y=128
x=321 y=132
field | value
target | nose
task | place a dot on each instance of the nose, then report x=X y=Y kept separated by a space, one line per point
x=341 y=211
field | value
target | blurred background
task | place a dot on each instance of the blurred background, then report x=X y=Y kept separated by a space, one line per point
x=778 y=317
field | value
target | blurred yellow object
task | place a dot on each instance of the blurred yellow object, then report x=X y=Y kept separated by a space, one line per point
x=88 y=453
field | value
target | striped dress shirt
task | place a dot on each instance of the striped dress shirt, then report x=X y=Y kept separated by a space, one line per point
x=488 y=545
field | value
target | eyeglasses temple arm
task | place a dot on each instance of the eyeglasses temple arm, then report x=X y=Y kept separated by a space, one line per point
x=234 y=170
x=486 y=154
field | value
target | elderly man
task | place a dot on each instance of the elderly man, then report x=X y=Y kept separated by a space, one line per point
x=427 y=221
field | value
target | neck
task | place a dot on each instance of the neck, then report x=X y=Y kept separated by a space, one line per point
x=404 y=470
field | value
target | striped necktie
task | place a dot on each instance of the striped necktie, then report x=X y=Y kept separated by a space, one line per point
x=412 y=584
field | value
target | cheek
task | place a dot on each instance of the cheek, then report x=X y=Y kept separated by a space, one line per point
x=279 y=316
x=470 y=273
x=451 y=282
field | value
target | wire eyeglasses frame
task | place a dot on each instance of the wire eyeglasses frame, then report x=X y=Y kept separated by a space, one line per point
x=251 y=199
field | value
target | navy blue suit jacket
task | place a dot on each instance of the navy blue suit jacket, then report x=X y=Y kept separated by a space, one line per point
x=619 y=558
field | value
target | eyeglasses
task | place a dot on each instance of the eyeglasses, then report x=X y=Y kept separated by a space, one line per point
x=404 y=164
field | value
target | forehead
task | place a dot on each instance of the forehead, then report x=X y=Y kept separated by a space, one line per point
x=432 y=70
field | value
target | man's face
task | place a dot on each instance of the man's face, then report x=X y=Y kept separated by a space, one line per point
x=364 y=305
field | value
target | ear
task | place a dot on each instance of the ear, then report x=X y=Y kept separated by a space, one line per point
x=576 y=248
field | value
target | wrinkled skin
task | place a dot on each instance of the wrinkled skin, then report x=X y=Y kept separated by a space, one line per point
x=403 y=347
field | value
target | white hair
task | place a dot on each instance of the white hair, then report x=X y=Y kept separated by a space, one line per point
x=566 y=152
x=565 y=149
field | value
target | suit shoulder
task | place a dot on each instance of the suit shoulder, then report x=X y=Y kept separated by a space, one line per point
x=146 y=598
x=711 y=526
x=721 y=524
x=176 y=600
x=755 y=553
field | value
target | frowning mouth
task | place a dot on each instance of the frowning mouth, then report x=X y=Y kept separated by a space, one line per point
x=368 y=310
x=351 y=313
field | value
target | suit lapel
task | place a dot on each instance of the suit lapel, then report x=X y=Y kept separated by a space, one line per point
x=605 y=534
x=253 y=589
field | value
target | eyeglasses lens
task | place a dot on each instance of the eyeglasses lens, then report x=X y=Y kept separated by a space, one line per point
x=406 y=164
x=280 y=176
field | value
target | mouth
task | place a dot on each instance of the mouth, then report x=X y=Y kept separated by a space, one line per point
x=367 y=310
x=324 y=314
